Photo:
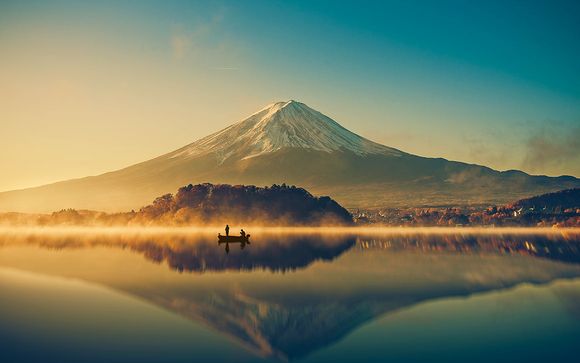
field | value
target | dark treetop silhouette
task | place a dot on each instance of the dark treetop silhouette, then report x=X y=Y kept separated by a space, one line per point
x=278 y=205
x=245 y=204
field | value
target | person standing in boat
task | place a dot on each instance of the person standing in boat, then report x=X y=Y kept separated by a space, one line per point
x=227 y=230
x=243 y=233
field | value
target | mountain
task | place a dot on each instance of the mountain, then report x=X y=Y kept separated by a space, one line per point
x=280 y=126
x=289 y=142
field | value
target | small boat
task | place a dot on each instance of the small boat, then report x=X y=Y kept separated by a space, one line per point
x=234 y=239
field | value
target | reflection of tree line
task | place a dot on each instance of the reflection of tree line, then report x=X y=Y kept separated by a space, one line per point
x=271 y=255
x=292 y=323
x=556 y=247
x=198 y=254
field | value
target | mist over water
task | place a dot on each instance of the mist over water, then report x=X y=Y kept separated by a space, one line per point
x=310 y=294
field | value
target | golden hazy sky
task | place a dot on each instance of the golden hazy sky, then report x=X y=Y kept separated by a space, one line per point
x=89 y=88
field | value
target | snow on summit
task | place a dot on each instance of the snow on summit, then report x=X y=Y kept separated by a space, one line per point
x=288 y=124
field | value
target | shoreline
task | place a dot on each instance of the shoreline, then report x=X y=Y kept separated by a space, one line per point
x=379 y=230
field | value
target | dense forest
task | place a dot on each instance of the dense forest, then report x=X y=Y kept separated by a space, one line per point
x=243 y=204
x=203 y=204
x=282 y=205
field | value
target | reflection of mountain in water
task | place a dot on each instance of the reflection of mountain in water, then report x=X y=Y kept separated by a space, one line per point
x=290 y=323
x=292 y=315
x=285 y=329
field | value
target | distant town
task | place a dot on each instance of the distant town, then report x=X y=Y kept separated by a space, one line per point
x=559 y=209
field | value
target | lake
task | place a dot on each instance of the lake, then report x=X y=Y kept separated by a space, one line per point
x=303 y=295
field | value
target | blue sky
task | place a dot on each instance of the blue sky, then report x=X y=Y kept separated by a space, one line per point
x=495 y=82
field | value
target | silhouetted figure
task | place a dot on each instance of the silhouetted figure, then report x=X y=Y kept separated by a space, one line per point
x=243 y=233
x=227 y=230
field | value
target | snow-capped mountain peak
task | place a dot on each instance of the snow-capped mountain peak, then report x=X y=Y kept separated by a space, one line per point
x=288 y=124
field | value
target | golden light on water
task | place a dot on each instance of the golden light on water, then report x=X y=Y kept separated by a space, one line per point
x=154 y=230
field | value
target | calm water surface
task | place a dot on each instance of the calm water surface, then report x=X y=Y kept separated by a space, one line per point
x=312 y=297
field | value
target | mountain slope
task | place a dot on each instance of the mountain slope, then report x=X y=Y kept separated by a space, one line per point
x=277 y=126
x=288 y=142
